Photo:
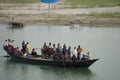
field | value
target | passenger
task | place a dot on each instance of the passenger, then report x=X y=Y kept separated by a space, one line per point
x=74 y=53
x=64 y=51
x=69 y=52
x=44 y=50
x=50 y=46
x=54 y=52
x=28 y=48
x=10 y=48
x=15 y=52
x=59 y=51
x=19 y=52
x=34 y=53
x=5 y=44
x=9 y=41
x=79 y=50
x=54 y=48
x=23 y=47
x=45 y=46
x=88 y=56
x=84 y=57
x=23 y=44
x=50 y=50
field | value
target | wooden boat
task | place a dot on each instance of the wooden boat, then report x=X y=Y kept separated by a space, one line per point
x=14 y=24
x=50 y=62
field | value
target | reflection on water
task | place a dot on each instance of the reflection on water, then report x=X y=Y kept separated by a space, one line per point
x=39 y=72
x=12 y=27
x=68 y=73
x=14 y=71
x=81 y=26
x=15 y=27
x=76 y=27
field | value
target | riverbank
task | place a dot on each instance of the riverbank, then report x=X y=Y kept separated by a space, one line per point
x=29 y=13
x=58 y=19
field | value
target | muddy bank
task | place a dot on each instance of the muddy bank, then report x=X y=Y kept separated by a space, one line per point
x=29 y=13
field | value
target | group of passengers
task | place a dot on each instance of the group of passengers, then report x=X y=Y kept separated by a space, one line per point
x=7 y=45
x=10 y=49
x=48 y=51
x=16 y=51
x=26 y=49
x=58 y=52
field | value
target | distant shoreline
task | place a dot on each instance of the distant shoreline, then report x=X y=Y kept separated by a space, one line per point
x=27 y=14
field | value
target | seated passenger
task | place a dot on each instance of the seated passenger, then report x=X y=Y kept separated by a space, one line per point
x=19 y=52
x=88 y=56
x=15 y=53
x=83 y=57
x=9 y=48
x=33 y=53
x=44 y=51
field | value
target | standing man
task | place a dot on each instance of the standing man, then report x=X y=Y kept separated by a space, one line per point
x=28 y=48
x=74 y=53
x=79 y=50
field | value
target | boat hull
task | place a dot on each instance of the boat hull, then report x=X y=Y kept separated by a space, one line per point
x=50 y=62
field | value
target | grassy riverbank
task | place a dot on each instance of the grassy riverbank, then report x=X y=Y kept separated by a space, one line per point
x=94 y=3
x=19 y=1
x=74 y=3
x=67 y=11
x=66 y=19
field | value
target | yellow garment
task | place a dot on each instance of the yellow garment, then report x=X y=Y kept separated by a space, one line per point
x=28 y=48
x=79 y=50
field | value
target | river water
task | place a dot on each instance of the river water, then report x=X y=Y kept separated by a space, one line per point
x=101 y=42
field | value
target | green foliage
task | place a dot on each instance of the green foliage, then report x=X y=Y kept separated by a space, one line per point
x=19 y=1
x=94 y=3
x=106 y=15
x=75 y=3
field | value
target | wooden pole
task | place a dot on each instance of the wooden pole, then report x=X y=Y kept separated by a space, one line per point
x=49 y=7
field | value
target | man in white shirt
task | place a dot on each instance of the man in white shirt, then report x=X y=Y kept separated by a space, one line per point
x=74 y=52
x=5 y=43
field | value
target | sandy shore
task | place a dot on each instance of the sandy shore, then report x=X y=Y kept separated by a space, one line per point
x=30 y=13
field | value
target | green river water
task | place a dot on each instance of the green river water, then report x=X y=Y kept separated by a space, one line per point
x=101 y=42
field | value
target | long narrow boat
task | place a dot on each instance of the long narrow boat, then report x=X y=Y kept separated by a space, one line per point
x=50 y=62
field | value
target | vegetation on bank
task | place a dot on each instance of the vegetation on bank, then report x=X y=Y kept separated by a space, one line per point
x=94 y=3
x=66 y=19
x=19 y=1
x=74 y=3
x=105 y=15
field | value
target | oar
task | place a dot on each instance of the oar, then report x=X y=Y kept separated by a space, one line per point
x=6 y=56
x=12 y=40
x=63 y=61
x=36 y=48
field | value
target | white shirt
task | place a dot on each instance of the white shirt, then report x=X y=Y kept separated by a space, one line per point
x=6 y=43
x=74 y=52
